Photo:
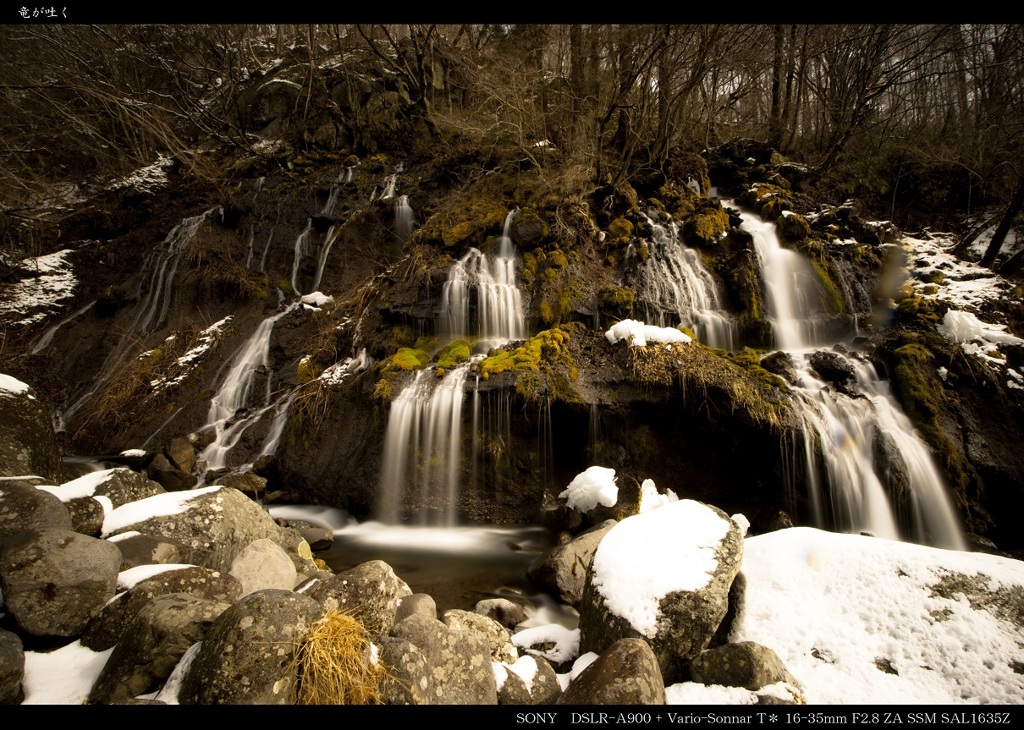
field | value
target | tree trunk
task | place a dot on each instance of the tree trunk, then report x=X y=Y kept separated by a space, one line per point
x=1016 y=203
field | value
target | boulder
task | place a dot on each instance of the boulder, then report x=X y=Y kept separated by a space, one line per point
x=460 y=670
x=249 y=654
x=152 y=644
x=368 y=591
x=137 y=549
x=496 y=635
x=512 y=690
x=168 y=475
x=745 y=664
x=529 y=680
x=245 y=482
x=181 y=453
x=25 y=507
x=86 y=515
x=28 y=445
x=112 y=621
x=54 y=581
x=215 y=523
x=507 y=613
x=264 y=564
x=408 y=677
x=627 y=673
x=420 y=604
x=672 y=590
x=562 y=571
x=12 y=668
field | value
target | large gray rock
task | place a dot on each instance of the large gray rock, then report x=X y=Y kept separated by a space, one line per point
x=249 y=655
x=12 y=668
x=264 y=564
x=86 y=515
x=507 y=613
x=113 y=620
x=216 y=525
x=459 y=662
x=368 y=592
x=25 y=507
x=141 y=549
x=120 y=485
x=497 y=637
x=152 y=645
x=408 y=677
x=562 y=571
x=54 y=581
x=418 y=603
x=626 y=673
x=745 y=664
x=528 y=681
x=674 y=593
x=28 y=444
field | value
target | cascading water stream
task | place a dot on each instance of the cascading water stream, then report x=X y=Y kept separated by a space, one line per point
x=422 y=456
x=404 y=220
x=674 y=288
x=236 y=390
x=860 y=453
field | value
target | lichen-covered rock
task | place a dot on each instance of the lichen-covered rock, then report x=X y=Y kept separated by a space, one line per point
x=120 y=485
x=24 y=507
x=152 y=644
x=459 y=662
x=249 y=654
x=12 y=668
x=263 y=564
x=28 y=445
x=626 y=673
x=216 y=523
x=674 y=592
x=530 y=680
x=562 y=571
x=408 y=677
x=744 y=664
x=169 y=475
x=86 y=515
x=496 y=635
x=512 y=690
x=137 y=549
x=368 y=592
x=112 y=621
x=54 y=581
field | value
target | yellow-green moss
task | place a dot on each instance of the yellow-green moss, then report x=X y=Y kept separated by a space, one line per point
x=617 y=299
x=707 y=224
x=451 y=355
x=547 y=354
x=833 y=297
x=620 y=231
x=408 y=359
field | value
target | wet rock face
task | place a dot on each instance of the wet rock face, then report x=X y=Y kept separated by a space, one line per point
x=28 y=445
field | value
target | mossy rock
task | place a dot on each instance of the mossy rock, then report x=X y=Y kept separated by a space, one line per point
x=617 y=301
x=528 y=229
x=408 y=358
x=545 y=354
x=793 y=226
x=451 y=355
x=620 y=232
x=706 y=225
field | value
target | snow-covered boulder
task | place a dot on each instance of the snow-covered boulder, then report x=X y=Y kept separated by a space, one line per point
x=662 y=576
x=54 y=581
x=28 y=445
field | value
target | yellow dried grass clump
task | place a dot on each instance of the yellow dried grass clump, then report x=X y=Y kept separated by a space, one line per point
x=335 y=664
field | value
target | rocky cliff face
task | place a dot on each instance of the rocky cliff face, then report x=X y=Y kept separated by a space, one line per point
x=194 y=317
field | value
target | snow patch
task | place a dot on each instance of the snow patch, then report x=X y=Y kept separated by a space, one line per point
x=638 y=334
x=593 y=487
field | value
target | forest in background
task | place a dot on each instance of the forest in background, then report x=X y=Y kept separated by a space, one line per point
x=916 y=121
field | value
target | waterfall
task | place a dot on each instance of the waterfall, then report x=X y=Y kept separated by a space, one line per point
x=674 y=288
x=404 y=221
x=301 y=252
x=859 y=452
x=325 y=251
x=48 y=336
x=499 y=304
x=423 y=450
x=236 y=390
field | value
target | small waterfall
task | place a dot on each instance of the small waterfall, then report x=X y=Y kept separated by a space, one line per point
x=404 y=220
x=792 y=289
x=236 y=390
x=499 y=304
x=423 y=450
x=674 y=288
x=48 y=336
x=301 y=251
x=325 y=251
x=859 y=454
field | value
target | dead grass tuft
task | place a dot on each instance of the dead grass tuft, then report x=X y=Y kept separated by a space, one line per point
x=336 y=664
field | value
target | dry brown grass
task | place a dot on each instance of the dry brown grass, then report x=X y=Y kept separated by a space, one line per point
x=335 y=666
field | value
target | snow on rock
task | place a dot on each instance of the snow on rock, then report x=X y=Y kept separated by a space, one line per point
x=664 y=576
x=48 y=283
x=650 y=498
x=12 y=385
x=938 y=274
x=638 y=334
x=856 y=617
x=171 y=503
x=976 y=337
x=316 y=300
x=593 y=487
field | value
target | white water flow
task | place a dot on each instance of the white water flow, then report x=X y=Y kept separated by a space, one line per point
x=860 y=453
x=301 y=250
x=489 y=281
x=157 y=281
x=236 y=393
x=43 y=342
x=674 y=288
x=422 y=459
x=404 y=220
x=325 y=251
x=422 y=451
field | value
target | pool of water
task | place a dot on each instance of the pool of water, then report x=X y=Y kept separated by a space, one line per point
x=457 y=566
